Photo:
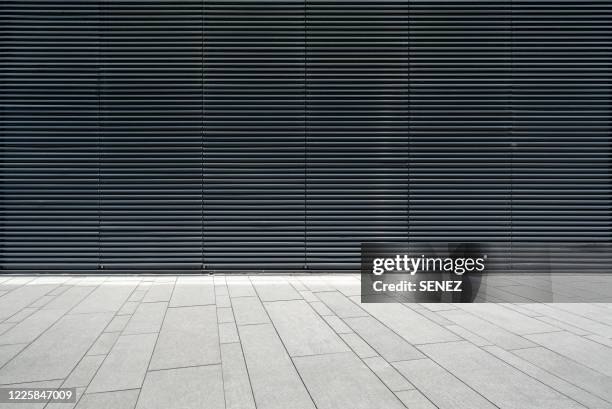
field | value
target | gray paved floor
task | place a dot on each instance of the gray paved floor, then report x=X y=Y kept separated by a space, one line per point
x=294 y=342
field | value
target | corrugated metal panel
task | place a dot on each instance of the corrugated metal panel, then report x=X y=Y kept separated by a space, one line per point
x=151 y=106
x=49 y=92
x=357 y=128
x=254 y=136
x=281 y=134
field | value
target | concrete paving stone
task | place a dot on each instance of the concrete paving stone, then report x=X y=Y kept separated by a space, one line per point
x=275 y=382
x=221 y=290
x=147 y=318
x=225 y=315
x=358 y=345
x=21 y=297
x=193 y=291
x=484 y=329
x=69 y=298
x=159 y=292
x=468 y=335
x=105 y=298
x=128 y=308
x=5 y=326
x=185 y=388
x=302 y=330
x=228 y=333
x=126 y=364
x=387 y=343
x=440 y=387
x=562 y=325
x=32 y=405
x=309 y=296
x=415 y=400
x=30 y=328
x=388 y=374
x=589 y=353
x=509 y=319
x=223 y=301
x=118 y=323
x=240 y=287
x=578 y=321
x=238 y=393
x=189 y=337
x=56 y=352
x=104 y=343
x=409 y=324
x=249 y=310
x=84 y=372
x=8 y=352
x=137 y=296
x=321 y=308
x=512 y=388
x=599 y=339
x=274 y=289
x=337 y=324
x=109 y=400
x=343 y=381
x=342 y=306
x=572 y=391
x=21 y=315
x=573 y=372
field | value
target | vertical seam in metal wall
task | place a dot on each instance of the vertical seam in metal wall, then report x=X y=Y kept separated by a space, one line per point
x=305 y=133
x=203 y=264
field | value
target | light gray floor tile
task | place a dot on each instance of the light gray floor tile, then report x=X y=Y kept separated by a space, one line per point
x=7 y=352
x=125 y=365
x=337 y=324
x=240 y=287
x=109 y=400
x=84 y=372
x=276 y=384
x=309 y=296
x=185 y=388
x=55 y=353
x=581 y=350
x=21 y=315
x=228 y=333
x=578 y=394
x=105 y=298
x=572 y=319
x=30 y=328
x=128 y=308
x=573 y=372
x=159 y=292
x=321 y=308
x=507 y=318
x=238 y=394
x=20 y=298
x=386 y=342
x=193 y=291
x=468 y=335
x=32 y=405
x=601 y=340
x=188 y=337
x=69 y=298
x=343 y=381
x=415 y=400
x=225 y=315
x=274 y=289
x=302 y=330
x=342 y=306
x=497 y=335
x=249 y=310
x=440 y=387
x=118 y=323
x=409 y=324
x=147 y=318
x=104 y=343
x=223 y=301
x=388 y=374
x=358 y=345
x=512 y=388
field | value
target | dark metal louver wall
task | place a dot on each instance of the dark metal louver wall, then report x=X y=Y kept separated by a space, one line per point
x=249 y=135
